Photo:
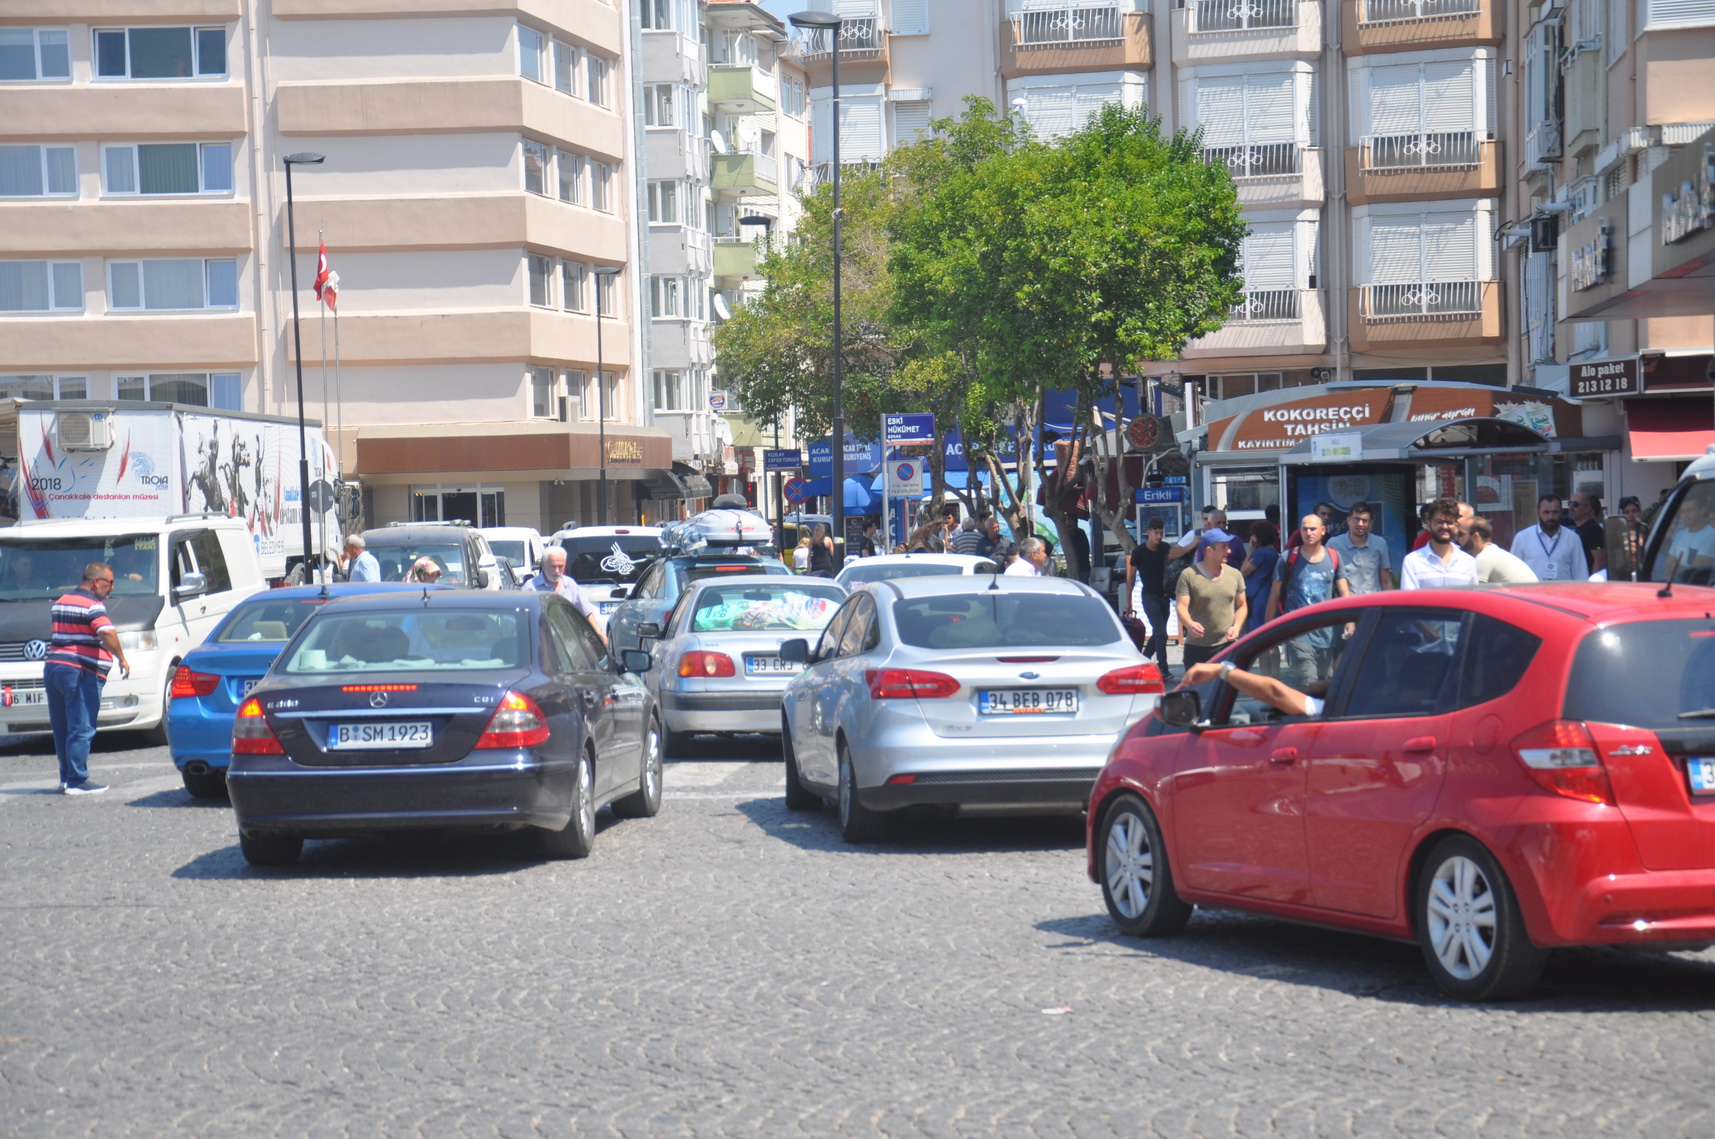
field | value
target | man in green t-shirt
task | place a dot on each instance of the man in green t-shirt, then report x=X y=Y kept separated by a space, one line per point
x=1210 y=599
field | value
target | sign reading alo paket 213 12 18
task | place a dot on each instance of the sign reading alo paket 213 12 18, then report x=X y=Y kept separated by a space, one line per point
x=1595 y=378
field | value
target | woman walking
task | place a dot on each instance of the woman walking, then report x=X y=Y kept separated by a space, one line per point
x=821 y=552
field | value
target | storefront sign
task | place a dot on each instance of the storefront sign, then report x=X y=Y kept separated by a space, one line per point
x=1337 y=447
x=1592 y=262
x=1286 y=425
x=624 y=451
x=1596 y=378
x=1692 y=207
x=860 y=457
x=1160 y=495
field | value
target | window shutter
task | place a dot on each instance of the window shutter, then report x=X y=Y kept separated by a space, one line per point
x=1188 y=104
x=1396 y=250
x=860 y=129
x=1221 y=110
x=1679 y=13
x=1312 y=107
x=1396 y=94
x=909 y=17
x=1449 y=96
x=1269 y=109
x=1050 y=112
x=1310 y=243
x=854 y=10
x=1450 y=247
x=1268 y=256
x=1089 y=98
x=821 y=131
x=910 y=122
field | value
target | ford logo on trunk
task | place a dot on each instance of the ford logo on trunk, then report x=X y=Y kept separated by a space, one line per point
x=35 y=650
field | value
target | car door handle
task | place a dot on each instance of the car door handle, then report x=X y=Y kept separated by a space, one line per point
x=1283 y=755
x=1420 y=743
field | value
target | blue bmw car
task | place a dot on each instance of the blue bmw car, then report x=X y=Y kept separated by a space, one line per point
x=216 y=676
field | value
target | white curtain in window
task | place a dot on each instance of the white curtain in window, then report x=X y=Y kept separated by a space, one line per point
x=121 y=164
x=173 y=284
x=20 y=171
x=125 y=289
x=23 y=286
x=222 y=284
x=226 y=391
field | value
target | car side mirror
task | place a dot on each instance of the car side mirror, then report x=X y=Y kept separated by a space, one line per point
x=795 y=651
x=192 y=583
x=619 y=593
x=485 y=578
x=1182 y=709
x=636 y=660
x=649 y=631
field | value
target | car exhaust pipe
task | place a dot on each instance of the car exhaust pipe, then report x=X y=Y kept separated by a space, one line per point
x=197 y=768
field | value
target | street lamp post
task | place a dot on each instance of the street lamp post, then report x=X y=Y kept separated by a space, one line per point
x=313 y=561
x=767 y=224
x=601 y=390
x=829 y=22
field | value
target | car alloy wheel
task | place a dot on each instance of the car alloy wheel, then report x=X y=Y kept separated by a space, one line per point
x=646 y=800
x=577 y=837
x=798 y=796
x=1469 y=926
x=858 y=823
x=1137 y=883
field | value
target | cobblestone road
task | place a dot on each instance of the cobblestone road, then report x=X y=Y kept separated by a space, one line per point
x=729 y=969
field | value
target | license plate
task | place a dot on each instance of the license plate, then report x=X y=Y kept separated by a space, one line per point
x=608 y=607
x=24 y=697
x=1702 y=771
x=348 y=737
x=245 y=685
x=767 y=666
x=1027 y=701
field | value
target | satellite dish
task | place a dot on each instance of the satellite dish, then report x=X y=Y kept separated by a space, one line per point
x=716 y=141
x=721 y=309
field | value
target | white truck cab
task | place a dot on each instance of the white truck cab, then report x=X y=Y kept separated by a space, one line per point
x=174 y=578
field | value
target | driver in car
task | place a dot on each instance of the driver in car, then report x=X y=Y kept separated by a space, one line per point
x=1265 y=688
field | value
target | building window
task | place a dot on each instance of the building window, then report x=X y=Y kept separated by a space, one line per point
x=1428 y=114
x=572 y=277
x=478 y=505
x=565 y=67
x=607 y=294
x=601 y=186
x=44 y=387
x=664 y=202
x=910 y=122
x=41 y=286
x=542 y=402
x=794 y=99
x=597 y=69
x=664 y=296
x=577 y=396
x=38 y=171
x=167 y=168
x=160 y=53
x=541 y=279
x=537 y=158
x=1057 y=109
x=610 y=394
x=660 y=104
x=571 y=177
x=657 y=15
x=532 y=54
x=172 y=284
x=28 y=54
x=1426 y=263
x=191 y=388
x=1255 y=123
x=669 y=389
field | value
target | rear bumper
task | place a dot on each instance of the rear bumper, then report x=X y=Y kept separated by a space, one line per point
x=1037 y=774
x=504 y=789
x=742 y=711
x=1641 y=909
x=197 y=735
x=975 y=790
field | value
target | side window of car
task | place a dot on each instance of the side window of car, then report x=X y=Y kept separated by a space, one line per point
x=556 y=656
x=827 y=646
x=563 y=620
x=650 y=583
x=1306 y=658
x=211 y=560
x=858 y=626
x=1410 y=665
x=1496 y=657
x=181 y=561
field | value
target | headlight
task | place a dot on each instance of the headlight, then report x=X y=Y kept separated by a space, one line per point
x=135 y=639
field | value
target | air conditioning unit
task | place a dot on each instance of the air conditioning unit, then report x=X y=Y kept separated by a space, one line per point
x=84 y=430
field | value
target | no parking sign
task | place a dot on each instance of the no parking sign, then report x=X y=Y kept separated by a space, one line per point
x=905 y=478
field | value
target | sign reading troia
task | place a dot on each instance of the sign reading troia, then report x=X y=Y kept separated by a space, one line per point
x=624 y=451
x=1595 y=378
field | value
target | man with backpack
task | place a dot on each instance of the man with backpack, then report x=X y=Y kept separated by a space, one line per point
x=1310 y=574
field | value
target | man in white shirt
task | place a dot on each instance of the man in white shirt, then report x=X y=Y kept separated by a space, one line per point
x=1441 y=564
x=554 y=579
x=1693 y=544
x=1552 y=552
x=1368 y=562
x=1032 y=556
x=360 y=564
x=1494 y=565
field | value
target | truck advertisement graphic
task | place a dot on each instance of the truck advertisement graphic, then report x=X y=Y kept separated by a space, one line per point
x=87 y=461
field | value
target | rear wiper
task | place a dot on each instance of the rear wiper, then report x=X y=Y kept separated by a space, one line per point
x=1700 y=714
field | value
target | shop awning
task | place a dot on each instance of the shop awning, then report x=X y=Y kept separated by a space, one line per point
x=1406 y=442
x=671 y=486
x=1673 y=429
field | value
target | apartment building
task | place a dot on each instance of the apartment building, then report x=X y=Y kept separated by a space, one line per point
x=475 y=179
x=1619 y=243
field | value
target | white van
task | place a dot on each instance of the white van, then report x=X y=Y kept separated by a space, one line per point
x=174 y=578
x=520 y=545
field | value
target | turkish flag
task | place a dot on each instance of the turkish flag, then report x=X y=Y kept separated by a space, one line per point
x=321 y=271
x=330 y=290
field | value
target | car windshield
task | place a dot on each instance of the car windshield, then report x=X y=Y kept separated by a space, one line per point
x=1686 y=551
x=616 y=559
x=267 y=619
x=860 y=573
x=765 y=608
x=448 y=640
x=48 y=567
x=1658 y=675
x=510 y=550
x=397 y=559
x=1001 y=620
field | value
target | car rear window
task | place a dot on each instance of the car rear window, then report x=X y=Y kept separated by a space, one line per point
x=449 y=640
x=697 y=571
x=397 y=560
x=762 y=608
x=510 y=550
x=268 y=620
x=617 y=559
x=1658 y=675
x=857 y=575
x=1000 y=620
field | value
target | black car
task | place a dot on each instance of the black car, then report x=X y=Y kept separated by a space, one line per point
x=461 y=551
x=436 y=710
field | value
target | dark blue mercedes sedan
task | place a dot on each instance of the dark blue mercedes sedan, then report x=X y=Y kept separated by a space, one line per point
x=434 y=710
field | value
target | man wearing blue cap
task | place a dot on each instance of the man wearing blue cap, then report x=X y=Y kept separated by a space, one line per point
x=1210 y=599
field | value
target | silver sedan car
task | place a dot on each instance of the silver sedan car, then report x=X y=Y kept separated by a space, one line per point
x=716 y=667
x=970 y=694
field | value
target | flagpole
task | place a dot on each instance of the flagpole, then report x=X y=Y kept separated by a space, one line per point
x=324 y=327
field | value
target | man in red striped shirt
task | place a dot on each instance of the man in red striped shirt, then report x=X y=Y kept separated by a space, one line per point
x=79 y=657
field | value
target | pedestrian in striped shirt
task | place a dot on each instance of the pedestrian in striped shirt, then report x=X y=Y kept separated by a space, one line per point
x=82 y=651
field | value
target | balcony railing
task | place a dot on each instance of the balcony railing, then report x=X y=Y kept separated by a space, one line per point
x=1262 y=305
x=1242 y=15
x=860 y=36
x=1072 y=24
x=1419 y=300
x=1403 y=11
x=1421 y=151
x=1258 y=160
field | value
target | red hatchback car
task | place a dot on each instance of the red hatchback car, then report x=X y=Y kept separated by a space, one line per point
x=1495 y=773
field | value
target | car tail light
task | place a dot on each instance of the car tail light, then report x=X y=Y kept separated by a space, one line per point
x=187 y=682
x=700 y=663
x=1562 y=757
x=251 y=734
x=1137 y=680
x=518 y=722
x=378 y=688
x=902 y=683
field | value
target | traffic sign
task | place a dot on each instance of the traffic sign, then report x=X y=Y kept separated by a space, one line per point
x=1160 y=495
x=797 y=491
x=900 y=428
x=905 y=478
x=717 y=400
x=781 y=459
x=321 y=496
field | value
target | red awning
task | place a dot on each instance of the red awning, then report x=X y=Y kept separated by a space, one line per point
x=1676 y=428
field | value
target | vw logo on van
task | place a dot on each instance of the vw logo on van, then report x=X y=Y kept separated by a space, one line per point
x=35 y=650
